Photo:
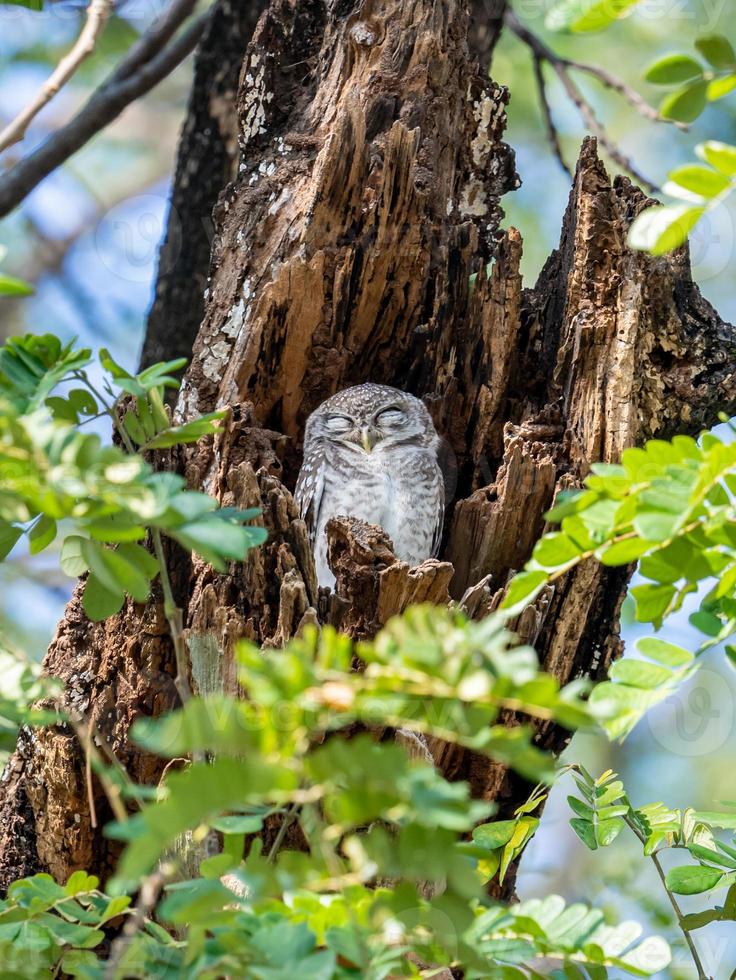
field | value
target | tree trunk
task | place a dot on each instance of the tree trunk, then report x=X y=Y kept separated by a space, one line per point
x=353 y=243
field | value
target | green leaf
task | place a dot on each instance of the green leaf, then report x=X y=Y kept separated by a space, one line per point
x=692 y=880
x=661 y=229
x=189 y=432
x=116 y=528
x=639 y=673
x=158 y=375
x=42 y=534
x=9 y=535
x=663 y=652
x=115 y=571
x=686 y=104
x=652 y=602
x=122 y=378
x=139 y=558
x=624 y=552
x=72 y=560
x=585 y=831
x=722 y=156
x=83 y=401
x=523 y=588
x=194 y=796
x=580 y=16
x=718 y=88
x=606 y=831
x=98 y=602
x=238 y=824
x=706 y=622
x=717 y=50
x=62 y=409
x=216 y=539
x=724 y=821
x=10 y=286
x=700 y=180
x=556 y=549
x=673 y=69
x=31 y=366
x=496 y=834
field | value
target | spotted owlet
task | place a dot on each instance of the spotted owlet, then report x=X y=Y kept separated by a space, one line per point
x=371 y=452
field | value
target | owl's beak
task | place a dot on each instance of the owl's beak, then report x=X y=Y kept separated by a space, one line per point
x=369 y=437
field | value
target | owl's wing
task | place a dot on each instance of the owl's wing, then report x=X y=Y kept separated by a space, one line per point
x=309 y=489
x=437 y=535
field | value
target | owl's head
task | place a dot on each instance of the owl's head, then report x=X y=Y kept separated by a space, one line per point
x=372 y=417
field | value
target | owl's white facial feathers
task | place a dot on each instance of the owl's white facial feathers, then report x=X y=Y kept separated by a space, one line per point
x=371 y=417
x=371 y=452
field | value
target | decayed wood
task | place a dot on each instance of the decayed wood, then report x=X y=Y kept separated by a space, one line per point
x=366 y=201
x=372 y=585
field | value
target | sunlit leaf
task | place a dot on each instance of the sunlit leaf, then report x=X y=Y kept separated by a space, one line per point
x=581 y=16
x=686 y=104
x=661 y=229
x=673 y=69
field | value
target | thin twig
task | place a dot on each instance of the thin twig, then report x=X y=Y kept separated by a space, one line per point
x=619 y=86
x=173 y=614
x=590 y=119
x=88 y=776
x=148 y=896
x=552 y=134
x=174 y=618
x=702 y=975
x=289 y=818
x=148 y=62
x=85 y=734
x=98 y=14
x=560 y=66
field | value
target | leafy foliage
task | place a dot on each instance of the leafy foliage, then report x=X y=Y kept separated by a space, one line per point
x=695 y=84
x=505 y=840
x=668 y=505
x=605 y=810
x=634 y=685
x=360 y=932
x=429 y=671
x=699 y=187
x=105 y=498
x=22 y=687
x=42 y=922
x=389 y=878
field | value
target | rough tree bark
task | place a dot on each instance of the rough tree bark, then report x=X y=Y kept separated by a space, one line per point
x=364 y=198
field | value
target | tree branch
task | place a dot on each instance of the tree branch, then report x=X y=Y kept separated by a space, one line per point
x=561 y=66
x=552 y=135
x=619 y=86
x=148 y=62
x=98 y=14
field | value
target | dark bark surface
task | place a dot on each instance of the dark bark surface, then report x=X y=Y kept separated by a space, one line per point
x=206 y=162
x=365 y=200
